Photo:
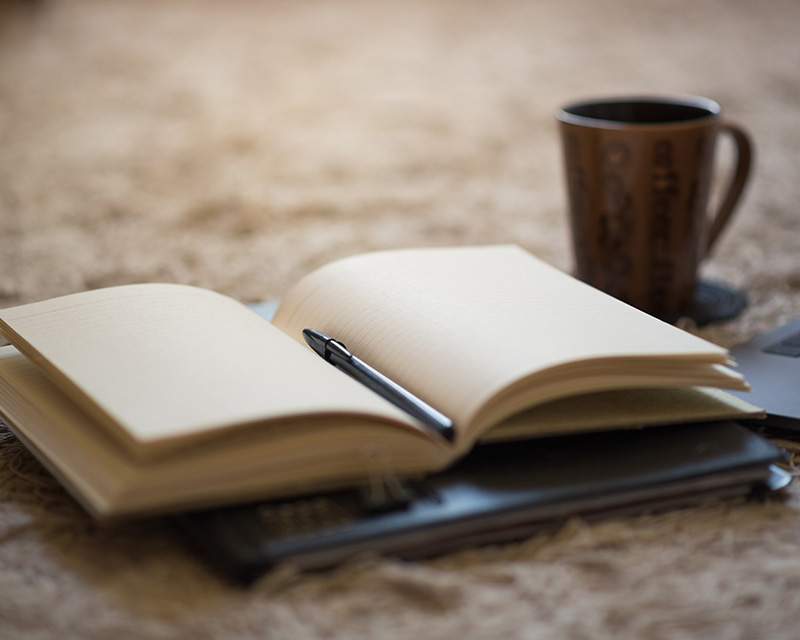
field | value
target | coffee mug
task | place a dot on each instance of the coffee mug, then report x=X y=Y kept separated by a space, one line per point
x=639 y=172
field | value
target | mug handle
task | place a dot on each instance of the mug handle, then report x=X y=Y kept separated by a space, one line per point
x=744 y=159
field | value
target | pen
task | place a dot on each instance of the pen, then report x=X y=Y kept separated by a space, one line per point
x=337 y=354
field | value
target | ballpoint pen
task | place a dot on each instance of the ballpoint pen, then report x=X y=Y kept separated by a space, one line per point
x=337 y=354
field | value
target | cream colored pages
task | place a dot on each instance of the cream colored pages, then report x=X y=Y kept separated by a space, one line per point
x=631 y=408
x=251 y=464
x=461 y=326
x=155 y=363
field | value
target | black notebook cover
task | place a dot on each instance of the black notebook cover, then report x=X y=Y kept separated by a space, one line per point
x=500 y=492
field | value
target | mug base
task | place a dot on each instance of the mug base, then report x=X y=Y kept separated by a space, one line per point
x=713 y=302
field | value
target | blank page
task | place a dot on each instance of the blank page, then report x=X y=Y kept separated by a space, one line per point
x=458 y=325
x=164 y=361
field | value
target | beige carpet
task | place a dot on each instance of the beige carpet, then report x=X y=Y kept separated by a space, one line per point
x=235 y=145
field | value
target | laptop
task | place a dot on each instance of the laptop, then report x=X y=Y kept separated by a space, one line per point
x=771 y=364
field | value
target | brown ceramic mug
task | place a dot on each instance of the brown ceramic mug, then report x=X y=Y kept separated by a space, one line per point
x=639 y=172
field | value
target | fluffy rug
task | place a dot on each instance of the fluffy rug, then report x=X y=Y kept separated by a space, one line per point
x=236 y=145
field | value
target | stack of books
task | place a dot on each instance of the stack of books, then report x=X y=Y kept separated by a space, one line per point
x=168 y=399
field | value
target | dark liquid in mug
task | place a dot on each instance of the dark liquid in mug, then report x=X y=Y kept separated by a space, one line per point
x=639 y=112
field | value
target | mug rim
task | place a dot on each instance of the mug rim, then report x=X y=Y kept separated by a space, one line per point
x=711 y=108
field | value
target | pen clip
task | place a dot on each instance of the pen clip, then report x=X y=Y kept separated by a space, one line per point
x=334 y=347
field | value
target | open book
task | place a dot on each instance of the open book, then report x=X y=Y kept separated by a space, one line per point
x=159 y=397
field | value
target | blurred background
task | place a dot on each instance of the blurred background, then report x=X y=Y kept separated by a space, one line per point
x=236 y=145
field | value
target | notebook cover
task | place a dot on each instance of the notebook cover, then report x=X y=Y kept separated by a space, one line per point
x=500 y=492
